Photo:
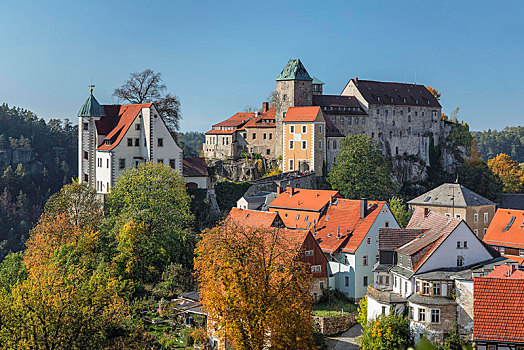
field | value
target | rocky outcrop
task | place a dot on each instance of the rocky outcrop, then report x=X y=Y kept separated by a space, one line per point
x=242 y=169
x=26 y=157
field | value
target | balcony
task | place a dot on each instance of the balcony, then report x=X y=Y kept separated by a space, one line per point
x=385 y=296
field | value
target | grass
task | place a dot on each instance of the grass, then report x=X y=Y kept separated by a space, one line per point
x=333 y=308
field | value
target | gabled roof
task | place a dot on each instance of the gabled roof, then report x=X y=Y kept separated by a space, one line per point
x=124 y=119
x=252 y=218
x=302 y=114
x=389 y=93
x=264 y=120
x=393 y=238
x=341 y=227
x=91 y=108
x=438 y=228
x=294 y=70
x=506 y=229
x=338 y=101
x=237 y=120
x=444 y=194
x=501 y=271
x=303 y=199
x=498 y=310
x=194 y=167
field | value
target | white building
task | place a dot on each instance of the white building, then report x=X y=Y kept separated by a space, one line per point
x=112 y=138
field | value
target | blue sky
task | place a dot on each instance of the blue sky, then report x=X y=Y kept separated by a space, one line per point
x=220 y=56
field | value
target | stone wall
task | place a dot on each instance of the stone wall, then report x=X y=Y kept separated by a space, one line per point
x=334 y=324
x=242 y=169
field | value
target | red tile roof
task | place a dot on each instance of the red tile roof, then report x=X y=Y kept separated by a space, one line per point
x=343 y=217
x=261 y=120
x=126 y=116
x=251 y=218
x=500 y=233
x=517 y=275
x=498 y=310
x=194 y=167
x=438 y=227
x=221 y=132
x=302 y=114
x=304 y=199
x=501 y=271
x=237 y=119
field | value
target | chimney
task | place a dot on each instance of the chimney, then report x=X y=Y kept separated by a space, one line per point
x=265 y=107
x=291 y=191
x=426 y=211
x=280 y=189
x=363 y=207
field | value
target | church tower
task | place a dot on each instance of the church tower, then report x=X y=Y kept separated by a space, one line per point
x=90 y=112
x=294 y=88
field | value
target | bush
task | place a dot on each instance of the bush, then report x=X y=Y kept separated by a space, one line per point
x=387 y=332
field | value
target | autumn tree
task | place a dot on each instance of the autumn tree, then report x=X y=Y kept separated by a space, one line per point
x=255 y=290
x=386 y=332
x=147 y=86
x=434 y=92
x=154 y=197
x=509 y=171
x=361 y=170
x=478 y=177
x=399 y=210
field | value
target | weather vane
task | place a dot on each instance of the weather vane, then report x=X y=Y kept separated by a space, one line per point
x=91 y=87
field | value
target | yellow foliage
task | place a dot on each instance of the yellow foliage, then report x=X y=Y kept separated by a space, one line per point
x=509 y=171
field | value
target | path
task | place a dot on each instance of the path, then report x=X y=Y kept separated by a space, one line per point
x=347 y=340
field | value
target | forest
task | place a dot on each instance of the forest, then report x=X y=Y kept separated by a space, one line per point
x=509 y=140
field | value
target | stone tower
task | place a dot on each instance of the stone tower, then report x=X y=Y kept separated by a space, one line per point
x=294 y=88
x=90 y=112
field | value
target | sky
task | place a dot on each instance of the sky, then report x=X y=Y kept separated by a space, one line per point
x=220 y=56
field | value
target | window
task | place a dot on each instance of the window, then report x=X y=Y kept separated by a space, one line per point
x=268 y=151
x=346 y=260
x=137 y=126
x=406 y=287
x=320 y=144
x=387 y=279
x=435 y=316
x=137 y=142
x=365 y=260
x=160 y=142
x=298 y=217
x=368 y=240
x=380 y=280
x=291 y=165
x=316 y=268
x=304 y=144
x=458 y=216
x=86 y=155
x=395 y=281
x=308 y=253
x=254 y=136
x=492 y=347
x=292 y=129
x=465 y=244
x=521 y=252
x=386 y=224
x=161 y=161
x=306 y=218
x=425 y=288
x=130 y=142
x=363 y=121
x=86 y=126
x=172 y=163
x=321 y=285
x=485 y=230
x=346 y=281
x=486 y=216
x=365 y=281
x=107 y=163
x=448 y=215
x=476 y=218
x=121 y=163
x=377 y=258
x=458 y=245
x=421 y=315
x=502 y=250
x=320 y=130
x=411 y=315
x=383 y=310
x=356 y=120
x=271 y=136
x=476 y=232
x=460 y=260
x=304 y=129
x=290 y=144
x=436 y=288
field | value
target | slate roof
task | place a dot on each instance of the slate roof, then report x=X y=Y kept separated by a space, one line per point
x=317 y=81
x=438 y=227
x=251 y=218
x=91 y=108
x=443 y=195
x=294 y=70
x=124 y=118
x=389 y=93
x=194 y=167
x=506 y=229
x=498 y=310
x=302 y=114
x=343 y=218
x=338 y=101
x=432 y=300
x=393 y=238
x=511 y=201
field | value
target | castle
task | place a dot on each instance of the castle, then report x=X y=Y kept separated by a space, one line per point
x=113 y=138
x=304 y=128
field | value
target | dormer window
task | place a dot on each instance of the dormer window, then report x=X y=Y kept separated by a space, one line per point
x=107 y=142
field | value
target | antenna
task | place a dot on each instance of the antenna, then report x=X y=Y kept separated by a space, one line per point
x=415 y=77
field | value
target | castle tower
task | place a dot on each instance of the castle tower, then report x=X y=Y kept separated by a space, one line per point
x=294 y=88
x=90 y=112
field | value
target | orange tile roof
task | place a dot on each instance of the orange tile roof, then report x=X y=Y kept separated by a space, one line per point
x=260 y=121
x=304 y=199
x=237 y=119
x=438 y=226
x=298 y=219
x=221 y=132
x=499 y=234
x=498 y=309
x=251 y=218
x=501 y=271
x=517 y=275
x=343 y=217
x=302 y=114
x=126 y=116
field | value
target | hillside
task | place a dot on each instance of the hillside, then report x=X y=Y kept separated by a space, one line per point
x=36 y=160
x=509 y=140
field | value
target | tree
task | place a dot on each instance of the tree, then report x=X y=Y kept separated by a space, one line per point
x=12 y=270
x=361 y=171
x=147 y=86
x=509 y=171
x=362 y=316
x=255 y=290
x=386 y=332
x=153 y=196
x=434 y=92
x=477 y=176
x=399 y=210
